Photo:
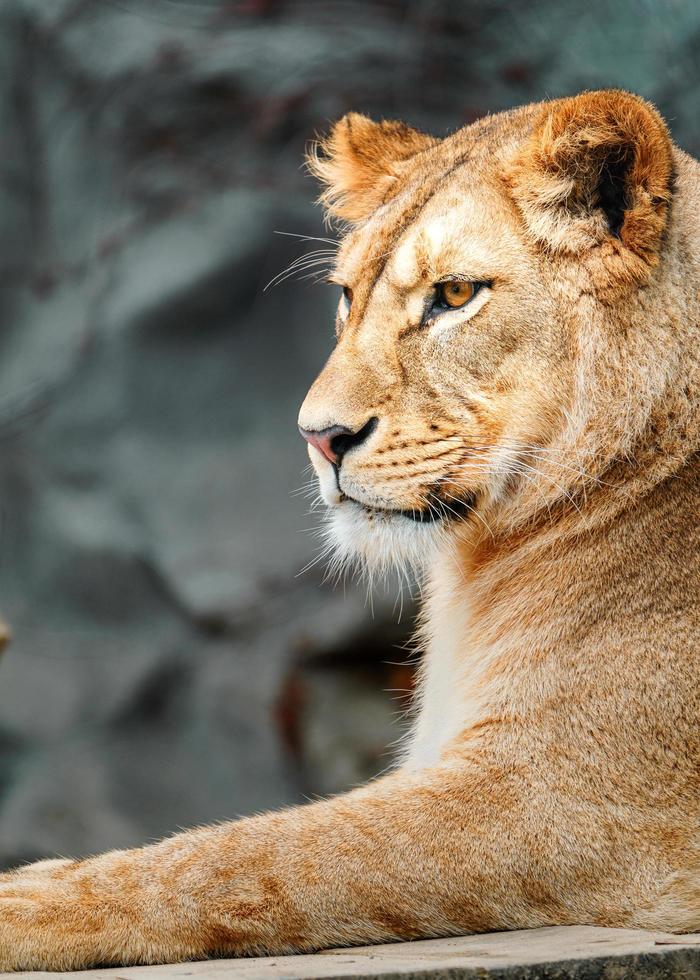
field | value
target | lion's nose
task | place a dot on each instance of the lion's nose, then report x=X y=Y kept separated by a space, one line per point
x=335 y=441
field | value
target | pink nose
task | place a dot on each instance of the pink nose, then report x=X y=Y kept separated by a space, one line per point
x=335 y=441
x=332 y=442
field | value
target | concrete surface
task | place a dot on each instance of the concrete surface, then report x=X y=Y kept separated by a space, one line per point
x=580 y=952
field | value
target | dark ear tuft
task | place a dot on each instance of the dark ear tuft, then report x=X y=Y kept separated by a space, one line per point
x=359 y=161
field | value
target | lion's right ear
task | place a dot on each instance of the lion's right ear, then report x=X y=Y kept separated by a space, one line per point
x=359 y=163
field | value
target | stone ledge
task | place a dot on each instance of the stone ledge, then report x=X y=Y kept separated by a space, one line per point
x=558 y=953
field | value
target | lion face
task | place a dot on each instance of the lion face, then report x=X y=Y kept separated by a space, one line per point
x=463 y=299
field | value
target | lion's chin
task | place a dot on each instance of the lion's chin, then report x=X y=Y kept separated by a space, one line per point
x=381 y=540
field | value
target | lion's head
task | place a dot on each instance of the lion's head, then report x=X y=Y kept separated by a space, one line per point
x=504 y=321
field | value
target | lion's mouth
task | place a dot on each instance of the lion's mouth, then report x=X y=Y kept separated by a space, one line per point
x=436 y=509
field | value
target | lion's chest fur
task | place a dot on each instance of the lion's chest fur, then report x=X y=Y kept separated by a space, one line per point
x=447 y=699
x=459 y=679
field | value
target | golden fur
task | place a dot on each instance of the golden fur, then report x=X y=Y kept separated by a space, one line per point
x=553 y=772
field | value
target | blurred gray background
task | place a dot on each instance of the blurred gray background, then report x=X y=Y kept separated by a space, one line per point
x=168 y=664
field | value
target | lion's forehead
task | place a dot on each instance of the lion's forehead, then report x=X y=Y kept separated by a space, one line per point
x=445 y=195
x=465 y=230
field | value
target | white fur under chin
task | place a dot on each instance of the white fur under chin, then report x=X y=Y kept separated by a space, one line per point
x=379 y=542
x=374 y=542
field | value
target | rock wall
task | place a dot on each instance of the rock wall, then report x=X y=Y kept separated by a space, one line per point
x=168 y=663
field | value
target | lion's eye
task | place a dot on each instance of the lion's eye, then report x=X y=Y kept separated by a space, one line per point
x=455 y=293
x=345 y=301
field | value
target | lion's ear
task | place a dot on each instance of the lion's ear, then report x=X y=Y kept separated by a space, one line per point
x=597 y=166
x=358 y=163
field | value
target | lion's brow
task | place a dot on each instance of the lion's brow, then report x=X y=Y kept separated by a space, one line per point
x=408 y=216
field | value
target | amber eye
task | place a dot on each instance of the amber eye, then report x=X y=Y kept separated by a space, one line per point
x=455 y=293
x=345 y=301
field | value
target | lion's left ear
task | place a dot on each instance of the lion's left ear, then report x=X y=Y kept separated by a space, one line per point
x=597 y=167
x=358 y=163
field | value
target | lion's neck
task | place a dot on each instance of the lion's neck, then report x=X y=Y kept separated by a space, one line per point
x=505 y=619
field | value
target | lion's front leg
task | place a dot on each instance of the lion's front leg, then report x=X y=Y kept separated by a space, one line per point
x=63 y=915
x=405 y=857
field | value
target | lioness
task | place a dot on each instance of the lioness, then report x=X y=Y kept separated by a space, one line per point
x=514 y=405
